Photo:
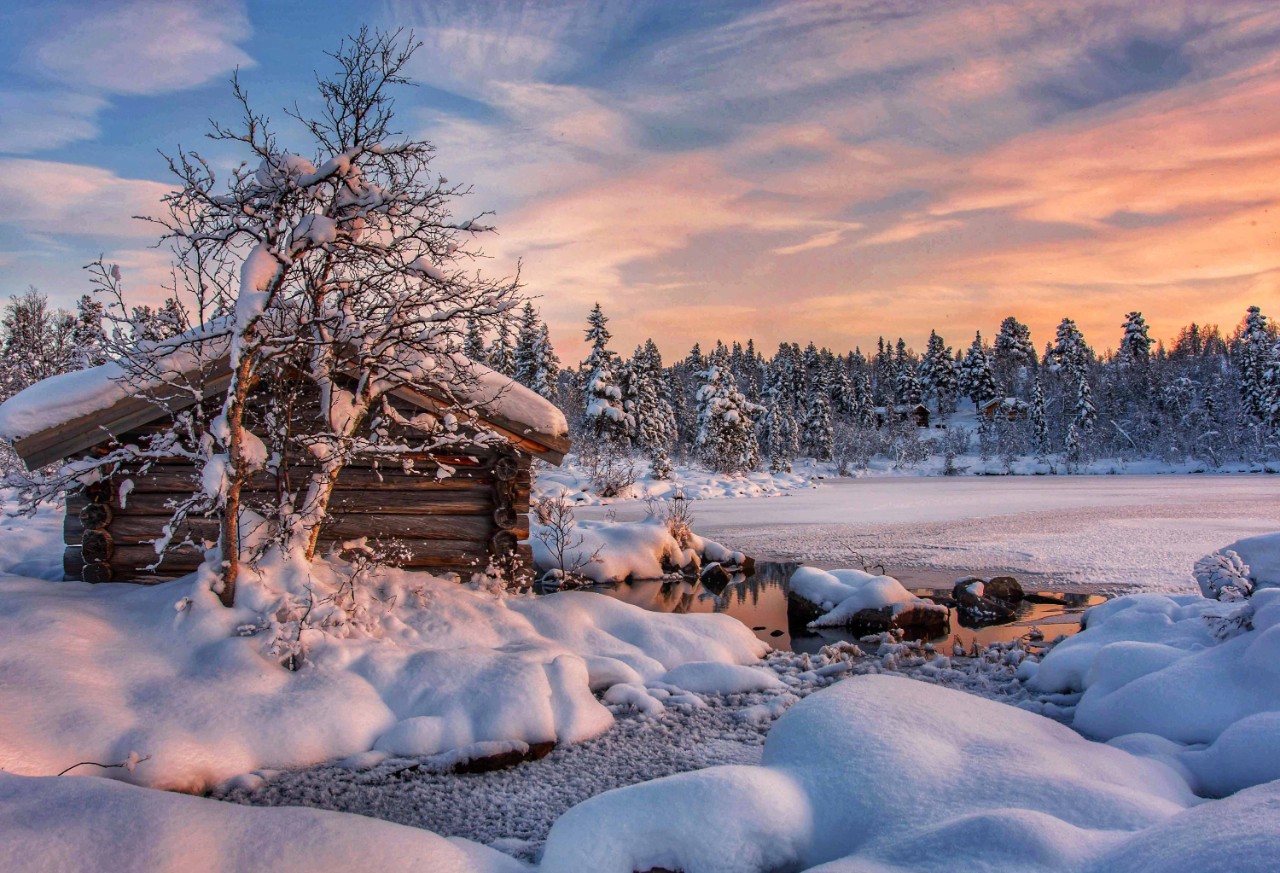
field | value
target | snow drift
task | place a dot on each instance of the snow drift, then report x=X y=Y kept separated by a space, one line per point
x=101 y=826
x=1185 y=679
x=885 y=773
x=422 y=666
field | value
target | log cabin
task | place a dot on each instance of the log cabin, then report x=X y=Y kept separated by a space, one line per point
x=453 y=510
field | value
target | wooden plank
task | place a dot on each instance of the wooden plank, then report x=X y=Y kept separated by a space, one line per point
x=129 y=529
x=428 y=555
x=182 y=479
x=473 y=499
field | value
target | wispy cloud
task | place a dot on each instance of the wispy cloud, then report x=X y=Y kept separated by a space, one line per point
x=143 y=46
x=793 y=168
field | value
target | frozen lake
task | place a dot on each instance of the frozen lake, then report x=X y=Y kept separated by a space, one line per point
x=1113 y=533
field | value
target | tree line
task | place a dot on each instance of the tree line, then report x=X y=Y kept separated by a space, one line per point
x=1210 y=397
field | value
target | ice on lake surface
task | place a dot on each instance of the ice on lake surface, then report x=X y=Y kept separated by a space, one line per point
x=760 y=602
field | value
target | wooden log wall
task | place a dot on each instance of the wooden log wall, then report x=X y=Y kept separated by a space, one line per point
x=456 y=523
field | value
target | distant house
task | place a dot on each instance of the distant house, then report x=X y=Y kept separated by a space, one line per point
x=1011 y=408
x=918 y=413
x=455 y=522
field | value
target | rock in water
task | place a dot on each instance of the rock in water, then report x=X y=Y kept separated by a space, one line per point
x=1004 y=588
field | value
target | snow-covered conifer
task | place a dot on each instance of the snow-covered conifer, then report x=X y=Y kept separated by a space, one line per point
x=524 y=359
x=88 y=336
x=1135 y=345
x=1012 y=354
x=473 y=341
x=938 y=379
x=546 y=373
x=604 y=417
x=1256 y=344
x=976 y=377
x=779 y=436
x=907 y=387
x=1039 y=421
x=500 y=353
x=726 y=439
x=817 y=437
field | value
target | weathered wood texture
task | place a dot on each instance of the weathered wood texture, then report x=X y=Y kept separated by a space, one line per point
x=455 y=523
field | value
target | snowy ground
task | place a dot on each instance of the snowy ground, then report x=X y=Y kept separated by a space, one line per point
x=690 y=480
x=1114 y=533
x=710 y=767
x=513 y=810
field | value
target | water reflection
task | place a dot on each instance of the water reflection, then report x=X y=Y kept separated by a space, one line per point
x=759 y=601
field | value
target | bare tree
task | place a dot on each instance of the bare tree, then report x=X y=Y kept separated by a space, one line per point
x=342 y=277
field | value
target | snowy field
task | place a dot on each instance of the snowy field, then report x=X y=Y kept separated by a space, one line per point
x=1114 y=533
x=675 y=747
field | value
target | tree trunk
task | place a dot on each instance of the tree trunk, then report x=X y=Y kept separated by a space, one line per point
x=229 y=528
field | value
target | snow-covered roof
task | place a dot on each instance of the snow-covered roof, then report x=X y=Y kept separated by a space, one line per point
x=66 y=414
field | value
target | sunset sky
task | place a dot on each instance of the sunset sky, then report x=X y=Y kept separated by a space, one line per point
x=786 y=170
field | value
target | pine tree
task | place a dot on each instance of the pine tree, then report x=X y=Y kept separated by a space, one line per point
x=1073 y=357
x=603 y=418
x=843 y=399
x=726 y=440
x=882 y=375
x=817 y=436
x=546 y=373
x=976 y=378
x=655 y=421
x=938 y=374
x=1013 y=353
x=154 y=325
x=1135 y=345
x=865 y=411
x=1039 y=422
x=88 y=336
x=500 y=356
x=1271 y=388
x=525 y=358
x=906 y=383
x=1256 y=343
x=1070 y=352
x=779 y=435
x=473 y=342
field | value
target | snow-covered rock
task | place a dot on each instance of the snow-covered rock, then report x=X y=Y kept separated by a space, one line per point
x=613 y=551
x=1185 y=679
x=1262 y=555
x=847 y=597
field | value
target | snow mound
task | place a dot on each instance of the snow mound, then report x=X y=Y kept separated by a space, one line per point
x=1262 y=554
x=96 y=673
x=717 y=678
x=614 y=551
x=845 y=593
x=101 y=826
x=842 y=780
x=1191 y=681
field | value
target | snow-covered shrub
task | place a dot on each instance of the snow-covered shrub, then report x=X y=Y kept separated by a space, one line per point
x=557 y=530
x=676 y=514
x=1223 y=576
x=609 y=464
x=854 y=446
